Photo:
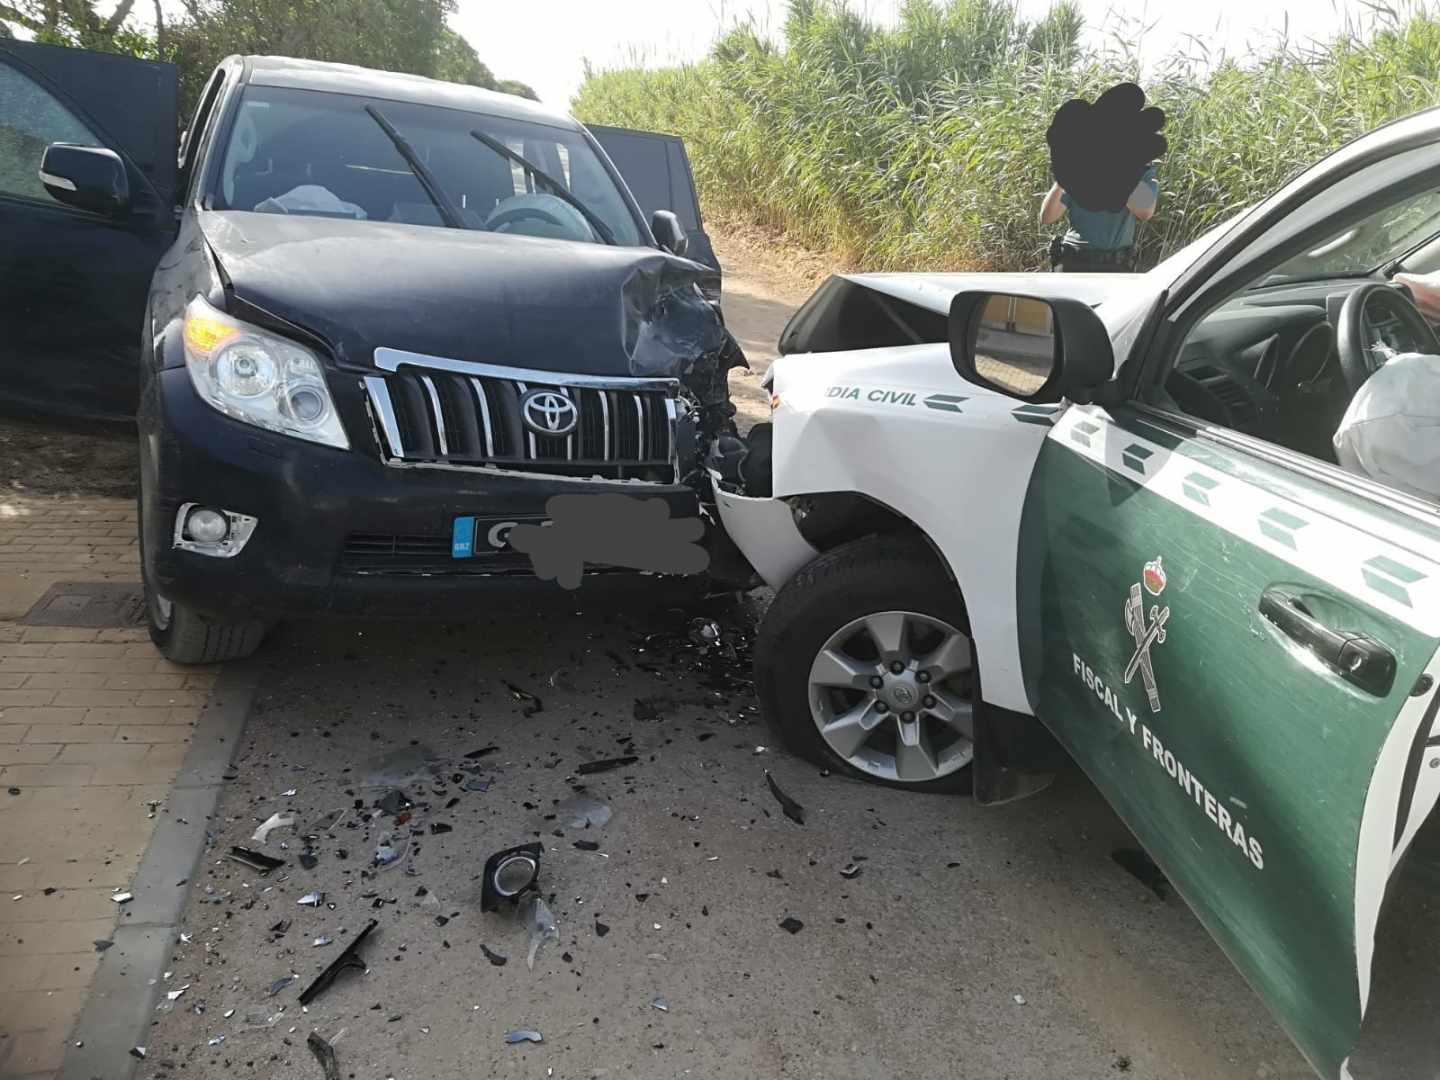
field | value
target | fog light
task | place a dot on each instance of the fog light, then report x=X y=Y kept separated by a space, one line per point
x=206 y=526
x=508 y=874
x=220 y=534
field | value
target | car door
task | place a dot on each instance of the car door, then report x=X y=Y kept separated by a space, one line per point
x=656 y=169
x=75 y=281
x=1239 y=645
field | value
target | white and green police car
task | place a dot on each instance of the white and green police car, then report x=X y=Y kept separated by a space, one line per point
x=1106 y=510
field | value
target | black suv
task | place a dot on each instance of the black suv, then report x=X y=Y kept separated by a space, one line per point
x=389 y=320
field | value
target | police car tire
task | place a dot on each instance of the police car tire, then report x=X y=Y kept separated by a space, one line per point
x=875 y=573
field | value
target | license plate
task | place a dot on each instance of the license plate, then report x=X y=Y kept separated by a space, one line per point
x=478 y=537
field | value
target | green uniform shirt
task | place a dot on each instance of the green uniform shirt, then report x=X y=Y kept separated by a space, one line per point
x=1104 y=230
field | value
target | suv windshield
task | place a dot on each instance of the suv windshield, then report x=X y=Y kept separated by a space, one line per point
x=1368 y=244
x=322 y=154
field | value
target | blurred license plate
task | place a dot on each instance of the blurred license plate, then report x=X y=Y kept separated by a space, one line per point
x=477 y=537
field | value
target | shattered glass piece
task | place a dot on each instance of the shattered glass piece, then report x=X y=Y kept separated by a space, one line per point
x=524 y=1035
x=704 y=632
x=791 y=925
x=323 y=939
x=531 y=703
x=174 y=995
x=308 y=861
x=385 y=855
x=325 y=1054
x=473 y=754
x=851 y=871
x=274 y=821
x=329 y=821
x=280 y=984
x=478 y=785
x=290 y=794
x=661 y=1004
x=138 y=1052
x=122 y=897
x=216 y=1041
x=256 y=860
x=495 y=958
x=542 y=928
x=792 y=809
x=645 y=710
x=228 y=1013
x=312 y=899
x=580 y=812
x=280 y=927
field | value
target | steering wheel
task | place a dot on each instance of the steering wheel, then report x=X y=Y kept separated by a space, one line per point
x=547 y=209
x=1353 y=345
x=522 y=213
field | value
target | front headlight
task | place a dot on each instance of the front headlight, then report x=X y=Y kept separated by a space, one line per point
x=259 y=377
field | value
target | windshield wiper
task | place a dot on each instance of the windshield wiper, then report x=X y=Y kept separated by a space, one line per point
x=557 y=188
x=446 y=208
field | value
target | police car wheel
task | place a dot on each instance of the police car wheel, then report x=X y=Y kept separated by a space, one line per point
x=864 y=665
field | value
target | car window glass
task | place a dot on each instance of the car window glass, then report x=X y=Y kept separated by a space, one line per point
x=30 y=119
x=306 y=152
x=1267 y=362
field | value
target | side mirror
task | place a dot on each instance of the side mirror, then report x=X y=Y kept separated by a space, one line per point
x=88 y=177
x=1029 y=347
x=669 y=233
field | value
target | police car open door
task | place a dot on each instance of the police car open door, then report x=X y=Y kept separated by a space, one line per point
x=1238 y=644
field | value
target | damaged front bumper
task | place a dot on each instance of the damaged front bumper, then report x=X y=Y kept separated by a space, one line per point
x=764 y=530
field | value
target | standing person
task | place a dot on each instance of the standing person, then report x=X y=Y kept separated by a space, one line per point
x=1103 y=156
x=1099 y=241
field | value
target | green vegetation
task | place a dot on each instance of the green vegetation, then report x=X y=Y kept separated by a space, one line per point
x=924 y=144
x=392 y=35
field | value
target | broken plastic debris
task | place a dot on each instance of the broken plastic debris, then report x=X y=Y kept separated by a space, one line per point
x=582 y=813
x=473 y=754
x=280 y=984
x=348 y=960
x=228 y=1013
x=661 y=1004
x=851 y=871
x=494 y=957
x=1019 y=999
x=323 y=939
x=542 y=929
x=792 y=925
x=704 y=632
x=325 y=1054
x=256 y=860
x=792 y=809
x=313 y=899
x=524 y=1035
x=508 y=874
x=174 y=995
x=274 y=821
x=385 y=855
x=217 y=1040
x=393 y=802
x=119 y=897
x=289 y=794
x=185 y=939
x=605 y=765
x=478 y=785
x=587 y=845
x=138 y=1052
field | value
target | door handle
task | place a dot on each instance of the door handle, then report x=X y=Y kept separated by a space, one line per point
x=1357 y=658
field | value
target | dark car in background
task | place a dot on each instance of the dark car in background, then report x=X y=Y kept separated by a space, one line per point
x=389 y=320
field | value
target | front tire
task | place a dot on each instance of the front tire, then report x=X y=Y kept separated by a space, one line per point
x=864 y=665
x=184 y=636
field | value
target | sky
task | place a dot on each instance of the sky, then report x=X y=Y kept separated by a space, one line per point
x=545 y=43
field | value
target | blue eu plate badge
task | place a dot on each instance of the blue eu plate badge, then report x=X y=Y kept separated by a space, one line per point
x=462 y=538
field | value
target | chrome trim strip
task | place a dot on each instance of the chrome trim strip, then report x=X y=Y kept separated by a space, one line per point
x=605 y=416
x=570 y=439
x=63 y=183
x=439 y=415
x=392 y=359
x=479 y=388
x=671 y=418
x=534 y=452
x=379 y=393
x=640 y=412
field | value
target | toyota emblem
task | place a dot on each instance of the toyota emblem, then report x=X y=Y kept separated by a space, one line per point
x=549 y=412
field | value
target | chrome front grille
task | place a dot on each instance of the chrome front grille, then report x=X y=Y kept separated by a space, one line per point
x=437 y=412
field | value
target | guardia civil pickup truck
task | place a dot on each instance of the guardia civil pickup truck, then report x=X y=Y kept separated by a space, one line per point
x=371 y=327
x=1108 y=507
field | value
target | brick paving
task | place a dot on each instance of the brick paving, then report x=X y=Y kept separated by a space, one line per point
x=94 y=725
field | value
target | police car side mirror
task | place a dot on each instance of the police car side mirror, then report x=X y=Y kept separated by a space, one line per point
x=1029 y=347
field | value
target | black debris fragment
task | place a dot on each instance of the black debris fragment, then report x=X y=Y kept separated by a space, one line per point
x=452 y=803
x=705 y=735
x=792 y=809
x=14 y=791
x=646 y=710
x=495 y=958
x=477 y=785
x=791 y=925
x=101 y=946
x=474 y=754
x=256 y=860
x=775 y=874
x=1141 y=867
x=851 y=871
x=325 y=1054
x=308 y=861
x=439 y=827
x=601 y=929
x=532 y=704
x=348 y=960
x=280 y=927
x=606 y=765
x=587 y=845
x=641 y=897
x=508 y=874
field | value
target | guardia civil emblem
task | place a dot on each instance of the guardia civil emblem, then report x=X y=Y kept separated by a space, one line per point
x=1147 y=628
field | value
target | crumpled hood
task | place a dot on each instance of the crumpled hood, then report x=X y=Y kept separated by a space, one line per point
x=467 y=295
